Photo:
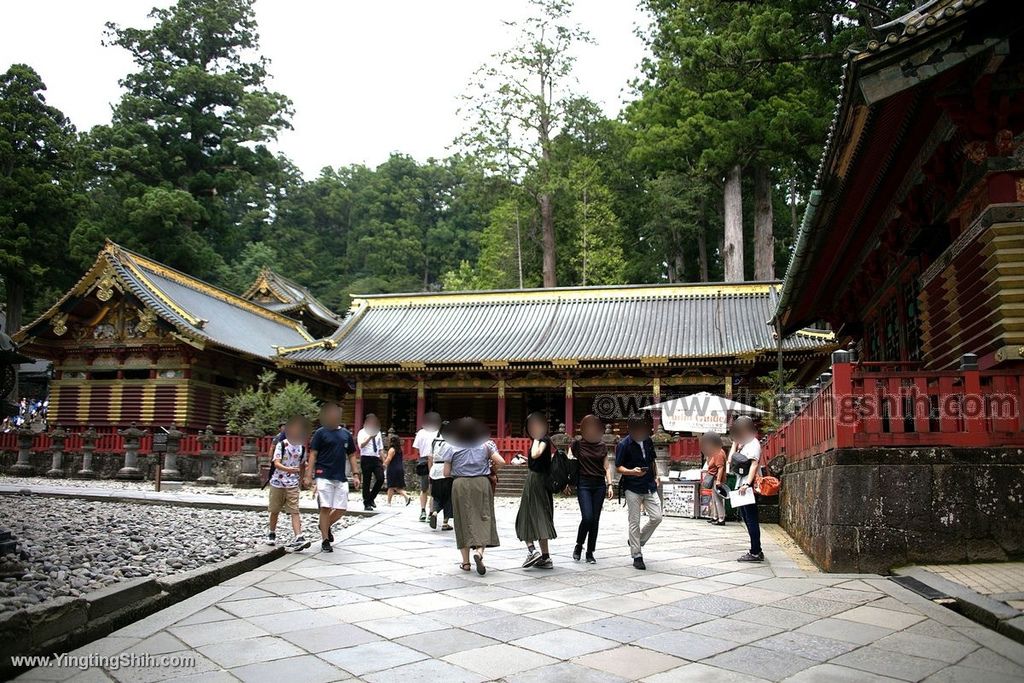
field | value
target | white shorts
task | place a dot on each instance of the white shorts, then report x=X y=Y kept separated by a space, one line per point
x=332 y=494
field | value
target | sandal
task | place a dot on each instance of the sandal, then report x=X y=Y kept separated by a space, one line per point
x=479 y=559
x=465 y=566
x=446 y=527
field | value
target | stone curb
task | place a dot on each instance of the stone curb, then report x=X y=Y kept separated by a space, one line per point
x=255 y=506
x=987 y=611
x=66 y=623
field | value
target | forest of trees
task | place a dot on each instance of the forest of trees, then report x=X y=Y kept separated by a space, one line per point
x=701 y=177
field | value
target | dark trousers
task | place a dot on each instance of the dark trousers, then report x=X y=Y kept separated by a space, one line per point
x=590 y=493
x=441 y=492
x=372 y=469
x=748 y=513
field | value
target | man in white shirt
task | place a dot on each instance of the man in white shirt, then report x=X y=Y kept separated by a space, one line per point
x=371 y=447
x=745 y=462
x=421 y=446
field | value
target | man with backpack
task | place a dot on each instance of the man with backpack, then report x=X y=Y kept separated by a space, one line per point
x=285 y=466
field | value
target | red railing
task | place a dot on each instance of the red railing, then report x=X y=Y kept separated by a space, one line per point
x=866 y=405
x=227 y=444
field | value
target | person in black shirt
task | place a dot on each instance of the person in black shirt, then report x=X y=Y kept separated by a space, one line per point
x=634 y=460
x=329 y=449
x=535 y=521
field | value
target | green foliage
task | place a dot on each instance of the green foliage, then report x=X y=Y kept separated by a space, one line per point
x=597 y=248
x=38 y=190
x=266 y=406
x=778 y=386
x=236 y=276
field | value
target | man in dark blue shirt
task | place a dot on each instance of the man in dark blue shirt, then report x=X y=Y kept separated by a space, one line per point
x=330 y=448
x=634 y=460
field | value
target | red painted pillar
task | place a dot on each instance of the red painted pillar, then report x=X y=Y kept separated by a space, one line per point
x=500 y=422
x=845 y=412
x=972 y=406
x=421 y=403
x=569 y=419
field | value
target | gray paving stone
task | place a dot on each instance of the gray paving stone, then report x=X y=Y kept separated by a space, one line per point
x=396 y=627
x=150 y=674
x=498 y=660
x=198 y=635
x=510 y=627
x=701 y=673
x=430 y=671
x=256 y=606
x=817 y=648
x=818 y=607
x=293 y=621
x=566 y=672
x=885 y=663
x=857 y=597
x=621 y=629
x=850 y=631
x=327 y=598
x=158 y=644
x=250 y=650
x=205 y=616
x=925 y=646
x=837 y=674
x=770 y=615
x=445 y=642
x=371 y=657
x=569 y=615
x=466 y=614
x=960 y=674
x=630 y=661
x=564 y=643
x=756 y=661
x=292 y=587
x=866 y=614
x=310 y=668
x=734 y=630
x=718 y=605
x=672 y=617
x=689 y=646
x=331 y=637
x=989 y=662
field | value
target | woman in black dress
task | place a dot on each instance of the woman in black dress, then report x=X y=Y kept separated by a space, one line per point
x=536 y=518
x=394 y=467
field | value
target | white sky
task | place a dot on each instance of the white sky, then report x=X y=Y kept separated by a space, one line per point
x=367 y=78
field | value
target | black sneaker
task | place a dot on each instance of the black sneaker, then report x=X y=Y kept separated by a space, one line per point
x=326 y=547
x=271 y=539
x=751 y=557
x=330 y=535
x=638 y=563
x=433 y=520
x=590 y=558
x=577 y=551
x=297 y=545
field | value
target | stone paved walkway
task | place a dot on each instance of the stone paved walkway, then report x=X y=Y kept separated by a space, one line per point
x=999 y=580
x=390 y=604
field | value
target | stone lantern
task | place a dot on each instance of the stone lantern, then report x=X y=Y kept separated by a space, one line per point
x=661 y=440
x=170 y=470
x=24 y=467
x=207 y=446
x=57 y=438
x=88 y=446
x=560 y=439
x=131 y=437
x=249 y=477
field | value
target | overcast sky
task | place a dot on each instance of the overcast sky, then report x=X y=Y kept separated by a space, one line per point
x=367 y=77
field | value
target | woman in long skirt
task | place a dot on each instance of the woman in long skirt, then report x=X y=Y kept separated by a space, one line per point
x=472 y=459
x=536 y=518
x=394 y=466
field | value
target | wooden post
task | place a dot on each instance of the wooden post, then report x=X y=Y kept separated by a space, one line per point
x=569 y=420
x=972 y=406
x=357 y=419
x=421 y=402
x=501 y=409
x=656 y=414
x=728 y=385
x=842 y=396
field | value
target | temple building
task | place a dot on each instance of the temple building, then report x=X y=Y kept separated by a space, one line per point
x=912 y=247
x=499 y=355
x=137 y=341
x=277 y=293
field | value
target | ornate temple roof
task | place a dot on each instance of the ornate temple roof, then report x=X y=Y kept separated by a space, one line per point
x=875 y=103
x=645 y=324
x=278 y=293
x=199 y=312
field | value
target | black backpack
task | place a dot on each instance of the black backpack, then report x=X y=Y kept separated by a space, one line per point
x=564 y=472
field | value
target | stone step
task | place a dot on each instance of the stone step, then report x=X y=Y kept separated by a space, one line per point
x=5 y=535
x=8 y=547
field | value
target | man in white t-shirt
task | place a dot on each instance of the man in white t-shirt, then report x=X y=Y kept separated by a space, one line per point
x=422 y=445
x=370 y=443
x=745 y=462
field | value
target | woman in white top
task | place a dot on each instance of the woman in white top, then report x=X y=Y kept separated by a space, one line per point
x=745 y=461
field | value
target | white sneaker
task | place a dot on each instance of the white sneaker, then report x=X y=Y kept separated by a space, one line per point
x=531 y=559
x=271 y=539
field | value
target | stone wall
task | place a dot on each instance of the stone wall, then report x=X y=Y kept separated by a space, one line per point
x=106 y=465
x=871 y=509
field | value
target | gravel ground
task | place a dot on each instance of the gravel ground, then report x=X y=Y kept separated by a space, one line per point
x=117 y=484
x=70 y=547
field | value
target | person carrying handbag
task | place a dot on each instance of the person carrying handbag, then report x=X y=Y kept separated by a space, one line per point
x=745 y=461
x=714 y=474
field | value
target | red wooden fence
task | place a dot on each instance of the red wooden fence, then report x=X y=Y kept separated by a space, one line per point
x=869 y=405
